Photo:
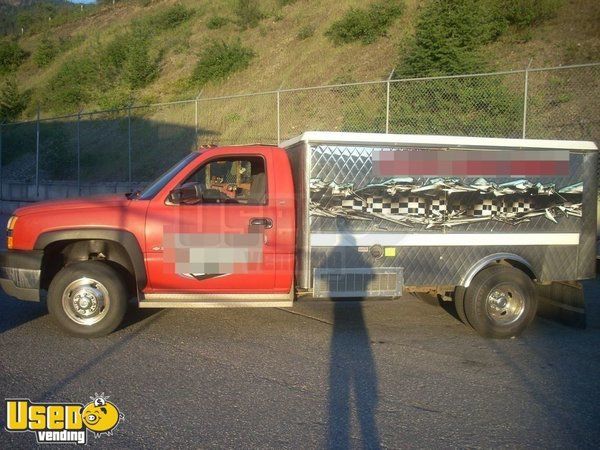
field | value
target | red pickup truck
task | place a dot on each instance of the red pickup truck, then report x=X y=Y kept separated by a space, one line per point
x=332 y=214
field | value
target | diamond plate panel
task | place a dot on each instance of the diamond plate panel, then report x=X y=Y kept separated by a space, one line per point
x=430 y=266
x=447 y=265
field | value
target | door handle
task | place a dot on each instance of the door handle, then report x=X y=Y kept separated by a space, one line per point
x=264 y=222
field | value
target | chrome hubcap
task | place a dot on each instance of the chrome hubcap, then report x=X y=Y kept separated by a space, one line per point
x=86 y=301
x=504 y=305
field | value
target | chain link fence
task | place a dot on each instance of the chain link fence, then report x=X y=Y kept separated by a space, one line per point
x=135 y=144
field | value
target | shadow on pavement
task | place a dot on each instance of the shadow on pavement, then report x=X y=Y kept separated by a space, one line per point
x=98 y=359
x=135 y=315
x=16 y=312
x=352 y=370
x=435 y=300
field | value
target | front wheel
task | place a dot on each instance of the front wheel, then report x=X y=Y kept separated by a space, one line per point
x=500 y=302
x=88 y=299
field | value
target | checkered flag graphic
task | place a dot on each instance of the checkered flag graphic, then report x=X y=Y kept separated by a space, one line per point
x=504 y=206
x=438 y=206
x=412 y=205
x=520 y=205
x=484 y=208
x=354 y=203
x=382 y=205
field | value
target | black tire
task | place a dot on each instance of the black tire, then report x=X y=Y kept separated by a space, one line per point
x=90 y=284
x=500 y=302
x=459 y=304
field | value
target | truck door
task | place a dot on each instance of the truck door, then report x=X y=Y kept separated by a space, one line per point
x=214 y=231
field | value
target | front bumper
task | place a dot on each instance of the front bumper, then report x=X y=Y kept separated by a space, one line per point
x=20 y=273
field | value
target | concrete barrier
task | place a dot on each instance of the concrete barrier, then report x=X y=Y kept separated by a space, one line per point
x=14 y=194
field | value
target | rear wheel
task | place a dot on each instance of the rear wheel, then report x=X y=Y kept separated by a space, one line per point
x=88 y=299
x=459 y=304
x=500 y=302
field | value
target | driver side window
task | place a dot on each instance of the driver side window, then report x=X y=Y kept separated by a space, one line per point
x=231 y=180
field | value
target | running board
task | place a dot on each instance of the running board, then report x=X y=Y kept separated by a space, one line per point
x=175 y=300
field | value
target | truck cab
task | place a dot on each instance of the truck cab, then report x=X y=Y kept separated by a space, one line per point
x=215 y=230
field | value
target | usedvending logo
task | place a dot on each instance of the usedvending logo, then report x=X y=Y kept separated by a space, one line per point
x=63 y=423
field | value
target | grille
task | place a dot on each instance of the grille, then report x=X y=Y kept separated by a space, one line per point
x=358 y=282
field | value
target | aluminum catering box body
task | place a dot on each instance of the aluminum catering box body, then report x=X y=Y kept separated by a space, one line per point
x=377 y=212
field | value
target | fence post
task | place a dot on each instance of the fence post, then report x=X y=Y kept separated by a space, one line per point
x=387 y=103
x=278 y=120
x=78 y=154
x=278 y=113
x=129 y=144
x=525 y=96
x=196 y=115
x=37 y=153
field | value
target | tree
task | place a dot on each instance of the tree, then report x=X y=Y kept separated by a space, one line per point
x=140 y=67
x=46 y=52
x=11 y=56
x=12 y=101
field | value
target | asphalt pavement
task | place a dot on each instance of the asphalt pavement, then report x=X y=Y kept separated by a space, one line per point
x=381 y=374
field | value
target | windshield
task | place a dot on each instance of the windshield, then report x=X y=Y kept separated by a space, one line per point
x=153 y=188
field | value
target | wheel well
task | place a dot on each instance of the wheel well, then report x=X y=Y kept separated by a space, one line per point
x=499 y=259
x=59 y=254
x=518 y=265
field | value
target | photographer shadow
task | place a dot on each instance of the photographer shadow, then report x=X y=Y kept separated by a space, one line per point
x=352 y=370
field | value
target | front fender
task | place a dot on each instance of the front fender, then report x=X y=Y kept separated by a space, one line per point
x=123 y=237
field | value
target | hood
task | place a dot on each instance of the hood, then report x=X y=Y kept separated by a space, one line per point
x=52 y=206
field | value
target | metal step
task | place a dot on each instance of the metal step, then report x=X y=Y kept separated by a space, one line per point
x=211 y=300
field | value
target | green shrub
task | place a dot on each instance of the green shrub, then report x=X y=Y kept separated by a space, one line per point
x=12 y=101
x=365 y=25
x=248 y=14
x=449 y=35
x=116 y=98
x=306 y=31
x=216 y=22
x=526 y=13
x=286 y=2
x=169 y=18
x=63 y=94
x=113 y=54
x=220 y=59
x=139 y=66
x=11 y=56
x=46 y=52
x=449 y=39
x=106 y=74
x=129 y=58
x=464 y=106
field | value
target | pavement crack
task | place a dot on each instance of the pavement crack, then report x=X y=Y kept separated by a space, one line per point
x=308 y=316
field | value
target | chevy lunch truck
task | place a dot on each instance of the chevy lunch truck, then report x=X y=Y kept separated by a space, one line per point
x=481 y=221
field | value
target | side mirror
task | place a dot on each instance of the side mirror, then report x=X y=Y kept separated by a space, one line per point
x=186 y=194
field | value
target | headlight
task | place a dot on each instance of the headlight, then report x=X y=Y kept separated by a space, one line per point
x=9 y=231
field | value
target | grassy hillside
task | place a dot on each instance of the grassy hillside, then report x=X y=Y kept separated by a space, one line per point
x=280 y=43
x=67 y=59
